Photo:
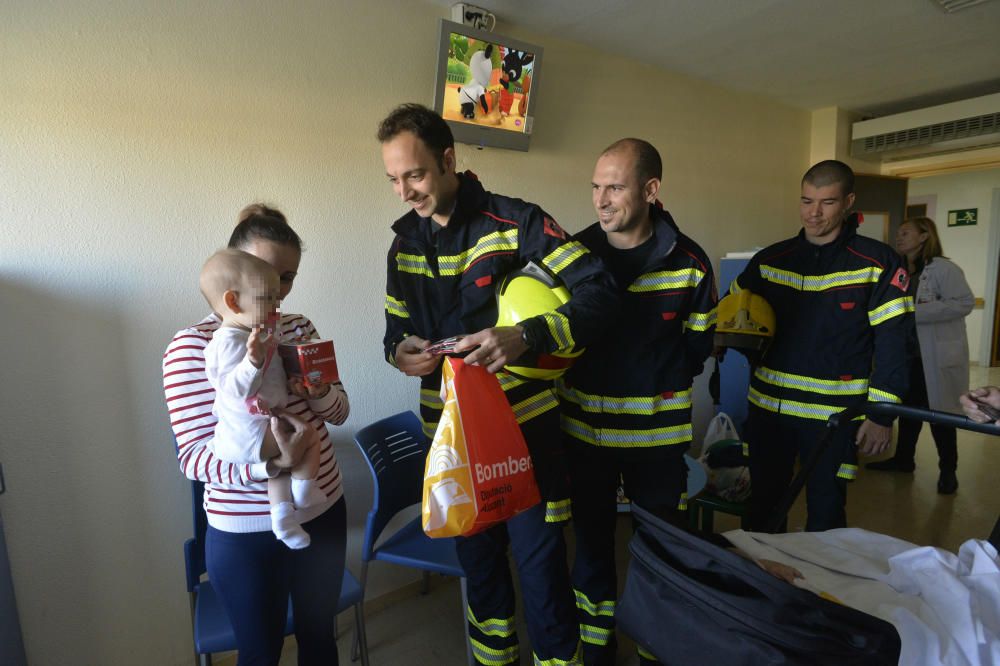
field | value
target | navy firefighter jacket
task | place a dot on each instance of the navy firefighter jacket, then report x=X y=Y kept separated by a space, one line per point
x=843 y=319
x=441 y=282
x=632 y=388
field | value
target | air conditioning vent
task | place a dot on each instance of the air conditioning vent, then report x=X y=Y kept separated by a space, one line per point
x=954 y=129
x=965 y=125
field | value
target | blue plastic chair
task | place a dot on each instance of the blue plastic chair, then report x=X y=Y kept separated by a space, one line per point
x=212 y=631
x=395 y=449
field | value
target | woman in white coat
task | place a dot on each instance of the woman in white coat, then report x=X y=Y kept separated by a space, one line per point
x=939 y=370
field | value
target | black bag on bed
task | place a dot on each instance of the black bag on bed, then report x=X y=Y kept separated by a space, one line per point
x=688 y=601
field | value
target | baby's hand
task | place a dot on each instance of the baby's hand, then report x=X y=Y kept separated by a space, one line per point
x=257 y=345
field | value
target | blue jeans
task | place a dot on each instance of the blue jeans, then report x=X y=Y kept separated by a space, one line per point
x=254 y=573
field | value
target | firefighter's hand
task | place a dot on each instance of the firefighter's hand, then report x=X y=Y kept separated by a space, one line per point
x=872 y=438
x=412 y=360
x=974 y=399
x=497 y=347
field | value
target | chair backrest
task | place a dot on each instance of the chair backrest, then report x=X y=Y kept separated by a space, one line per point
x=194 y=548
x=395 y=449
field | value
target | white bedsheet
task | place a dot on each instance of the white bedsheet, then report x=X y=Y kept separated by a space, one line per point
x=946 y=607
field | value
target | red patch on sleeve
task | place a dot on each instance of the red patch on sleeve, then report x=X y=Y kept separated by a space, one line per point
x=484 y=281
x=667 y=316
x=901 y=279
x=667 y=395
x=552 y=228
x=847 y=306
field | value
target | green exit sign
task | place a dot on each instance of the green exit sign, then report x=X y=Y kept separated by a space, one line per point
x=965 y=217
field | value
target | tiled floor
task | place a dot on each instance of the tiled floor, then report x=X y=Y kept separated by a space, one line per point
x=428 y=630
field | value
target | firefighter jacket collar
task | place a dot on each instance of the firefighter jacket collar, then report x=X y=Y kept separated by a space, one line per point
x=470 y=197
x=848 y=230
x=665 y=230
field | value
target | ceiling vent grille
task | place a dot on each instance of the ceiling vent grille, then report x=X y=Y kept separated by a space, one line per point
x=952 y=6
x=968 y=124
x=946 y=131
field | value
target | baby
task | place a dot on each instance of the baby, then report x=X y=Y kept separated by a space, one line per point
x=250 y=383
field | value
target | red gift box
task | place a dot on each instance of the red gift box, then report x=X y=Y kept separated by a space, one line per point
x=313 y=360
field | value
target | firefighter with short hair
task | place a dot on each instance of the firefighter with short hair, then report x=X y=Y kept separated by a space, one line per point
x=843 y=317
x=626 y=403
x=450 y=251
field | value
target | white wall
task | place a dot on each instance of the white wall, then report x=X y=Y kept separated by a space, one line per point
x=969 y=247
x=132 y=133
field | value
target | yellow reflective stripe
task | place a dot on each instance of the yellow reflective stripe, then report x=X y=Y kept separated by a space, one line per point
x=537 y=404
x=564 y=255
x=849 y=472
x=492 y=626
x=746 y=450
x=394 y=306
x=618 y=437
x=701 y=321
x=644 y=653
x=643 y=405
x=891 y=309
x=558 y=511
x=820 y=282
x=413 y=263
x=575 y=660
x=595 y=635
x=605 y=608
x=558 y=326
x=508 y=381
x=430 y=428
x=660 y=280
x=812 y=384
x=430 y=398
x=805 y=410
x=682 y=503
x=878 y=395
x=498 y=241
x=734 y=287
x=492 y=657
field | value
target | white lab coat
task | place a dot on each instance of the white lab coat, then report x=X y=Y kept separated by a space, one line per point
x=943 y=301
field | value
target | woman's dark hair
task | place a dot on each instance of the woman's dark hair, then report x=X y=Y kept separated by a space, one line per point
x=261 y=222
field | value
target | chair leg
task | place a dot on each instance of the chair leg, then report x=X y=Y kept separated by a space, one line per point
x=465 y=606
x=359 y=627
x=360 y=636
x=427 y=583
x=205 y=660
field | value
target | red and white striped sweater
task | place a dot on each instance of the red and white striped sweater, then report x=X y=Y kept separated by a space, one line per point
x=236 y=494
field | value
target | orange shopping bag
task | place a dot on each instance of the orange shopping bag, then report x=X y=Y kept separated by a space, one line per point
x=478 y=471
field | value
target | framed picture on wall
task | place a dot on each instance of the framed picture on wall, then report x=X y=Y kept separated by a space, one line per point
x=875 y=224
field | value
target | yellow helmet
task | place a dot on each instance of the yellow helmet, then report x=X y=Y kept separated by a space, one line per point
x=746 y=322
x=527 y=293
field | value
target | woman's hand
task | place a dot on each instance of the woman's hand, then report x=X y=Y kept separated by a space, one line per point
x=311 y=392
x=974 y=400
x=778 y=570
x=293 y=436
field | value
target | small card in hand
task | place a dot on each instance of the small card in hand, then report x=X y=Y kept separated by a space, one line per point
x=445 y=346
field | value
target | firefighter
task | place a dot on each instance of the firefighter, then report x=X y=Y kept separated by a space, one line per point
x=626 y=403
x=843 y=318
x=450 y=251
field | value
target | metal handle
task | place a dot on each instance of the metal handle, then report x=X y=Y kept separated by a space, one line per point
x=868 y=409
x=3 y=484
